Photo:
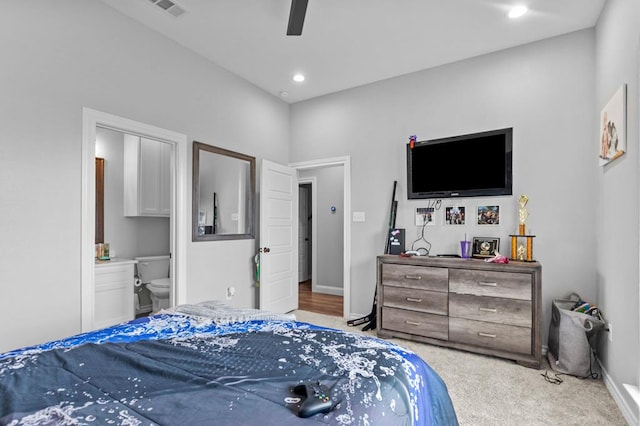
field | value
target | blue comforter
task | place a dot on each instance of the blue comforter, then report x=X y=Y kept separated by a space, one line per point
x=174 y=369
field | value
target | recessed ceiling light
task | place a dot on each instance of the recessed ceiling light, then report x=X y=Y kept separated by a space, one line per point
x=284 y=94
x=298 y=78
x=517 y=11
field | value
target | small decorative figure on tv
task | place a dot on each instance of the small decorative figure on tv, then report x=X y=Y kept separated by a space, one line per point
x=412 y=141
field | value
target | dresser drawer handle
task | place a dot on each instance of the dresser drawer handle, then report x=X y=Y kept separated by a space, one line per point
x=486 y=284
x=413 y=323
x=494 y=310
x=413 y=299
x=413 y=277
x=481 y=334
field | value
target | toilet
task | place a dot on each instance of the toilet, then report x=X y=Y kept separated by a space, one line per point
x=154 y=272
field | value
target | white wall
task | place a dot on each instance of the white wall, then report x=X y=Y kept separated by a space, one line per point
x=617 y=201
x=543 y=90
x=128 y=237
x=329 y=244
x=57 y=58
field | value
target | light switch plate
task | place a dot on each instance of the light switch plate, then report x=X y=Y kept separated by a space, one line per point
x=358 y=216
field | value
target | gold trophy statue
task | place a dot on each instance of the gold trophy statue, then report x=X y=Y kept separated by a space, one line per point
x=518 y=251
x=523 y=214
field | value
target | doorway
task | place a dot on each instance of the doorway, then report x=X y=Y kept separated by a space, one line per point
x=179 y=224
x=324 y=236
x=136 y=206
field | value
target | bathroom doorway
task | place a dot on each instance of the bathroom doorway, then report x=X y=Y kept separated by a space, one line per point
x=179 y=218
x=136 y=209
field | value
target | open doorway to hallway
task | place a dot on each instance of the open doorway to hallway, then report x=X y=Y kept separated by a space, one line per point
x=320 y=240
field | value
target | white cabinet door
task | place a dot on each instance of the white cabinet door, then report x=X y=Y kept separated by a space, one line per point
x=165 y=180
x=113 y=294
x=147 y=177
x=149 y=173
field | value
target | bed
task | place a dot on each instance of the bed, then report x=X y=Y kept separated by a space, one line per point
x=212 y=364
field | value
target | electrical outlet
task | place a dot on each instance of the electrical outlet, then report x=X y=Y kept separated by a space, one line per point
x=610 y=332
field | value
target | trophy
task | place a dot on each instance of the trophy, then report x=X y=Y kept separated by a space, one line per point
x=523 y=214
x=518 y=251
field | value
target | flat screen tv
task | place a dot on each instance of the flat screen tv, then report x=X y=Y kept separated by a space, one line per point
x=473 y=165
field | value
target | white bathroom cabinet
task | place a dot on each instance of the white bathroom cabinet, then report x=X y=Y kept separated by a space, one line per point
x=114 y=292
x=147 y=177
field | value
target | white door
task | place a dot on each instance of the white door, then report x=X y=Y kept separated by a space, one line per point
x=278 y=238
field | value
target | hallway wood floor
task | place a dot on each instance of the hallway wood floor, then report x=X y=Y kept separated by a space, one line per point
x=319 y=303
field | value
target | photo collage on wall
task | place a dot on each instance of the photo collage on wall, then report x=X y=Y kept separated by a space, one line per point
x=456 y=215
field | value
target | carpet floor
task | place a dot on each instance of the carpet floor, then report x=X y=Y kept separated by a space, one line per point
x=493 y=391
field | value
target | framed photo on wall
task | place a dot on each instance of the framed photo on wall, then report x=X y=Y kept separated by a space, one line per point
x=425 y=216
x=454 y=215
x=488 y=215
x=613 y=127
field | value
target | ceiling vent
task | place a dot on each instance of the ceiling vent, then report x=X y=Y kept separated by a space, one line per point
x=170 y=7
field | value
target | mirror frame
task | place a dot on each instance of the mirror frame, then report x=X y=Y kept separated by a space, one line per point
x=99 y=200
x=197 y=148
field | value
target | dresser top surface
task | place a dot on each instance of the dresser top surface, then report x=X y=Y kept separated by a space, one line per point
x=459 y=263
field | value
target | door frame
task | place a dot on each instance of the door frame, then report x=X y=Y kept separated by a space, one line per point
x=179 y=221
x=345 y=162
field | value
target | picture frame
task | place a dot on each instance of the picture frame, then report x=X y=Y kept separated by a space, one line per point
x=485 y=246
x=488 y=215
x=454 y=215
x=612 y=138
x=425 y=216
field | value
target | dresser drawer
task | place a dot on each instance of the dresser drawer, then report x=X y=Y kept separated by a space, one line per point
x=489 y=335
x=510 y=285
x=433 y=302
x=411 y=322
x=490 y=309
x=419 y=277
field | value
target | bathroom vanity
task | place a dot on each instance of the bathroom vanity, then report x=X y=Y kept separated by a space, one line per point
x=114 y=292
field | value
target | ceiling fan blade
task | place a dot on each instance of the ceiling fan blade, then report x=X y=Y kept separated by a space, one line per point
x=296 y=17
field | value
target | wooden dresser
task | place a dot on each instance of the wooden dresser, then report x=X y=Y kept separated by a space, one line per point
x=469 y=304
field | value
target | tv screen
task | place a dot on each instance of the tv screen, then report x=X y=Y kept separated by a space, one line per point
x=473 y=165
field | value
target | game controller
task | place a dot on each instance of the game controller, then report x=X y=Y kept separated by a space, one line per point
x=317 y=399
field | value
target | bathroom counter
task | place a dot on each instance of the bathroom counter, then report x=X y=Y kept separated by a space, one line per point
x=115 y=260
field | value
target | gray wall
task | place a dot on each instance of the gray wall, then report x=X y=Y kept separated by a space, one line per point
x=617 y=53
x=128 y=237
x=543 y=90
x=330 y=248
x=62 y=56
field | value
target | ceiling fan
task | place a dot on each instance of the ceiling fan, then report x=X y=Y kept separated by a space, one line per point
x=296 y=17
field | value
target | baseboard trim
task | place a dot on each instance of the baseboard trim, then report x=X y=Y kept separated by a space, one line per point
x=325 y=289
x=618 y=396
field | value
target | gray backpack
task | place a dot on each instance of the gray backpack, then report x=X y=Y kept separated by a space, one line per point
x=572 y=335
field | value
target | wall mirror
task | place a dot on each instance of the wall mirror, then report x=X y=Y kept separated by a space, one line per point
x=223 y=194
